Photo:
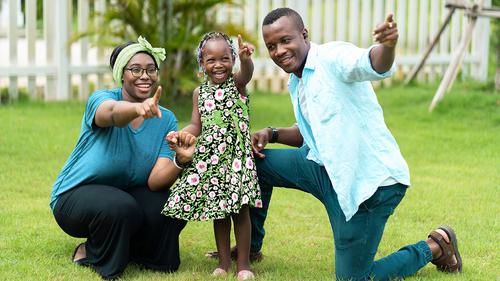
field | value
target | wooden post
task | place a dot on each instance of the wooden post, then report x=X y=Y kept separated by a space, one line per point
x=13 y=35
x=62 y=53
x=100 y=7
x=427 y=52
x=83 y=15
x=31 y=43
x=451 y=72
x=49 y=23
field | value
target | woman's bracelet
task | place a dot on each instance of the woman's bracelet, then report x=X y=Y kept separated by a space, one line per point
x=180 y=165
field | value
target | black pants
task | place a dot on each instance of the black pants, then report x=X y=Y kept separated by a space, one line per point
x=121 y=226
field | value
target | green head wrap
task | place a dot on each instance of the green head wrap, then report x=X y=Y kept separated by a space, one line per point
x=128 y=52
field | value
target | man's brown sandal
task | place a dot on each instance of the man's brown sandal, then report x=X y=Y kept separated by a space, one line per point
x=254 y=256
x=448 y=249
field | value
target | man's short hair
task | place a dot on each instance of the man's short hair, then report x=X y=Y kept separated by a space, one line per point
x=275 y=14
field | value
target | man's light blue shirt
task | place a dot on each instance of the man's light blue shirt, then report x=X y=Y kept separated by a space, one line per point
x=345 y=130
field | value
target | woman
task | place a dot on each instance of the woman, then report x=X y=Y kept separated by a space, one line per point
x=114 y=184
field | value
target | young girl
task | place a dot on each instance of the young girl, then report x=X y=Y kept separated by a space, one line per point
x=221 y=182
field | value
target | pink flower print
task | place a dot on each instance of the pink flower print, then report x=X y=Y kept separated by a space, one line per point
x=214 y=181
x=209 y=139
x=193 y=179
x=249 y=163
x=187 y=208
x=209 y=105
x=222 y=147
x=211 y=194
x=258 y=203
x=236 y=165
x=193 y=196
x=216 y=136
x=244 y=200
x=243 y=98
x=219 y=94
x=243 y=126
x=214 y=159
x=171 y=204
x=201 y=166
x=195 y=216
x=203 y=217
x=177 y=198
x=222 y=204
x=234 y=196
x=199 y=193
x=239 y=111
x=201 y=149
x=223 y=130
x=229 y=103
x=234 y=181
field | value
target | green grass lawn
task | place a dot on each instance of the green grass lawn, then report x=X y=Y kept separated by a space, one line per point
x=453 y=154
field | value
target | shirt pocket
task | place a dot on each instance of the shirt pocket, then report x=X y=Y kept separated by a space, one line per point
x=325 y=104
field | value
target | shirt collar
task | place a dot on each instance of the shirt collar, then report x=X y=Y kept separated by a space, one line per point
x=311 y=59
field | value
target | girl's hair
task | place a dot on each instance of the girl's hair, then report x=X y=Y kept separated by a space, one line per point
x=213 y=36
x=119 y=48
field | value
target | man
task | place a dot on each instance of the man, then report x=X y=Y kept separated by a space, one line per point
x=347 y=158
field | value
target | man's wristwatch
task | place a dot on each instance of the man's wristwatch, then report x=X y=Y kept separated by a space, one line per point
x=274 y=135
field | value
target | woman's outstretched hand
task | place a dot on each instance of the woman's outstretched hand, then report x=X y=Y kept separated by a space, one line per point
x=150 y=107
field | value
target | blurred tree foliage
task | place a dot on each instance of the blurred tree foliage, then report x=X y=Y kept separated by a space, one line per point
x=176 y=25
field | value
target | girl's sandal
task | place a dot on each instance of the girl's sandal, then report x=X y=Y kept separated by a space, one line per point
x=445 y=262
x=245 y=275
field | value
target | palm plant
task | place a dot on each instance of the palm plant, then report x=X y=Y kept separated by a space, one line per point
x=176 y=25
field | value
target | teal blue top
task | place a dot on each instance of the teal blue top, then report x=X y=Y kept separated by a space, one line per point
x=344 y=125
x=120 y=157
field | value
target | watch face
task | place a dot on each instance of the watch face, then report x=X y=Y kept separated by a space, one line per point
x=274 y=135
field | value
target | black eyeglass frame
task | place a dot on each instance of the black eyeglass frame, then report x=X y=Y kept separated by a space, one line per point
x=131 y=69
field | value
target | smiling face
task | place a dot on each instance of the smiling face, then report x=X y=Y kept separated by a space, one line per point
x=138 y=89
x=287 y=44
x=217 y=60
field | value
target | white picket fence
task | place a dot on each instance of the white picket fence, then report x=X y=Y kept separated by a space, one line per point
x=41 y=61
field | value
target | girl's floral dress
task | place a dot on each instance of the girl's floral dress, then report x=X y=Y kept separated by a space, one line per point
x=222 y=176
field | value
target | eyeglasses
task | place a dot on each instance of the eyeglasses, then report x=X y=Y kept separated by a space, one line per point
x=139 y=71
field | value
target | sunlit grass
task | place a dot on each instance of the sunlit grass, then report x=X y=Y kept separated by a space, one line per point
x=453 y=154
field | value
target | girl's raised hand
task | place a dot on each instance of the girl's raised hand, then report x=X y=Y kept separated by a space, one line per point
x=245 y=50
